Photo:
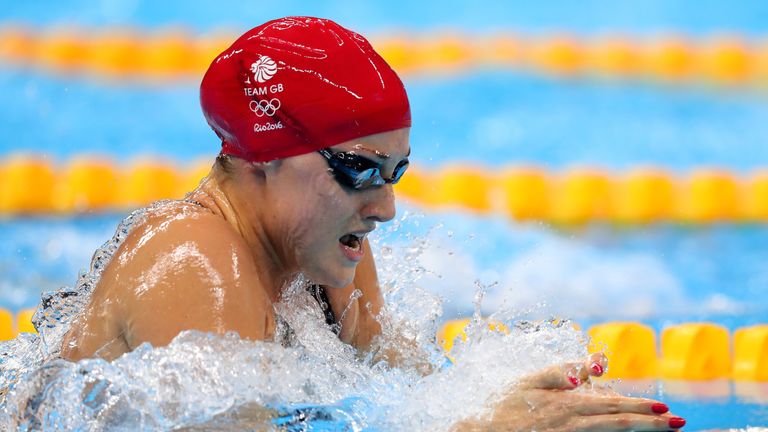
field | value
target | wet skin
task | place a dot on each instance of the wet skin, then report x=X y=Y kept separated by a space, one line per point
x=219 y=264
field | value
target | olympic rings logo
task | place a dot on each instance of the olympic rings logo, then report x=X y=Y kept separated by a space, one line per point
x=265 y=107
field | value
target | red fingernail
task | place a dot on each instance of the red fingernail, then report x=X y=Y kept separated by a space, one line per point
x=575 y=381
x=659 y=408
x=597 y=369
x=676 y=422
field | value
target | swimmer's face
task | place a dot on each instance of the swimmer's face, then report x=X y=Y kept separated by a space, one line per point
x=319 y=223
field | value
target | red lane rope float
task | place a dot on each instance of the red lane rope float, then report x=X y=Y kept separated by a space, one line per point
x=173 y=53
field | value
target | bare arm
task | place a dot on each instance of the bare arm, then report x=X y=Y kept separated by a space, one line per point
x=360 y=319
x=357 y=316
x=197 y=274
x=170 y=275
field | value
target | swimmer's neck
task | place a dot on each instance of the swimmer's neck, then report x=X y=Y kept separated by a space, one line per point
x=217 y=193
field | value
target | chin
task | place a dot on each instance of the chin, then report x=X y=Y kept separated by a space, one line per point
x=339 y=278
x=330 y=271
x=343 y=281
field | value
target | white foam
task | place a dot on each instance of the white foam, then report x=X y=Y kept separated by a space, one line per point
x=206 y=380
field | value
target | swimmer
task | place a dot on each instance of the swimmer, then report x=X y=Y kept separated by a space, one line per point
x=314 y=127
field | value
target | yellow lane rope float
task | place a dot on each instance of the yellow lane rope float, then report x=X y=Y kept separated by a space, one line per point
x=576 y=196
x=172 y=53
x=31 y=184
x=690 y=351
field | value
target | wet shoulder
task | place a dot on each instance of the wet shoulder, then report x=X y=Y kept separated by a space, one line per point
x=181 y=268
x=180 y=224
x=180 y=240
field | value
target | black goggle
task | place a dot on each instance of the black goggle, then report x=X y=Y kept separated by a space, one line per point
x=359 y=172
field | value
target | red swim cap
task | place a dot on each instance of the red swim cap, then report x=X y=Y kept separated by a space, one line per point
x=298 y=84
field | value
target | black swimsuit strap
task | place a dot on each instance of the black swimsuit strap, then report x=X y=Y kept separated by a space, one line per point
x=318 y=292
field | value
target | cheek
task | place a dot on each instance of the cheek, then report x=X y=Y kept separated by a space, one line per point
x=324 y=194
x=324 y=185
x=319 y=214
x=313 y=239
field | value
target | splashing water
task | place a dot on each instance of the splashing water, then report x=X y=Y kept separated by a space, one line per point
x=203 y=381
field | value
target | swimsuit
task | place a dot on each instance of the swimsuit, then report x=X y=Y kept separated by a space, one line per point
x=318 y=292
x=284 y=333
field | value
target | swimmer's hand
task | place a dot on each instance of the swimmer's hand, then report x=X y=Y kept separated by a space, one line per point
x=545 y=401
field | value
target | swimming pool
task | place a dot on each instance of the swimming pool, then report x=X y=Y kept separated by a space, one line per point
x=659 y=275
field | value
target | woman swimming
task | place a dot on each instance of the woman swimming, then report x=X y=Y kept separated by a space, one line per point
x=314 y=128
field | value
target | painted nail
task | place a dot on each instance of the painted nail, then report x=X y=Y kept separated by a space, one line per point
x=597 y=369
x=659 y=408
x=575 y=381
x=676 y=422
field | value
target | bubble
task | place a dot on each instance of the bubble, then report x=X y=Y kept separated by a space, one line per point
x=203 y=381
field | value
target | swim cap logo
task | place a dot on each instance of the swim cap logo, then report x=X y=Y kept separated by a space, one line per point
x=267 y=127
x=265 y=107
x=263 y=69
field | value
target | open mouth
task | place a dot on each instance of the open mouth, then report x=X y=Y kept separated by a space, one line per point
x=353 y=241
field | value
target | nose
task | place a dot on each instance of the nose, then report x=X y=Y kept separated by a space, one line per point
x=380 y=204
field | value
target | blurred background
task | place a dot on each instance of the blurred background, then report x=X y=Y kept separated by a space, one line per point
x=596 y=160
x=603 y=160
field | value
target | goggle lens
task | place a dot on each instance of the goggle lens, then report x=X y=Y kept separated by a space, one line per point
x=359 y=172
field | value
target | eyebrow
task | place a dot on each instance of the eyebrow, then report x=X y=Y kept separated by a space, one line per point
x=381 y=155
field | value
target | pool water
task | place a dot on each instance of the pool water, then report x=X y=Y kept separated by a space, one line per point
x=659 y=275
x=587 y=262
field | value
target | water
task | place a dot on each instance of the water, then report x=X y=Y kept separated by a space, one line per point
x=659 y=275
x=204 y=380
x=679 y=274
x=199 y=378
x=430 y=266
x=598 y=16
x=493 y=118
